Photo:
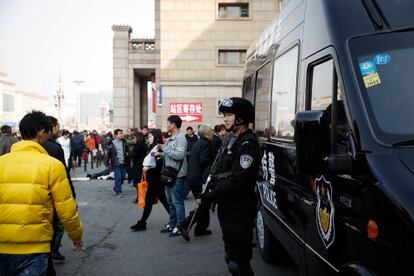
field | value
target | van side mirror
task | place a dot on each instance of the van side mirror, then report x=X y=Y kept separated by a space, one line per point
x=342 y=163
x=308 y=134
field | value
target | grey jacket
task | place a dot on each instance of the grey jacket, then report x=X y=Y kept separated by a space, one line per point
x=175 y=152
x=6 y=141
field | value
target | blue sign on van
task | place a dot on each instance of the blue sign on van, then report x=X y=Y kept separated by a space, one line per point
x=382 y=59
x=367 y=68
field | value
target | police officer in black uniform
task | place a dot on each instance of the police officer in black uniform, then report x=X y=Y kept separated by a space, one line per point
x=232 y=188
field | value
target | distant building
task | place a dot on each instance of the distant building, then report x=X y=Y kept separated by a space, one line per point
x=7 y=101
x=29 y=101
x=197 y=57
x=95 y=110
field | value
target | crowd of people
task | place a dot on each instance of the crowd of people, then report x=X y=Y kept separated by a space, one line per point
x=173 y=163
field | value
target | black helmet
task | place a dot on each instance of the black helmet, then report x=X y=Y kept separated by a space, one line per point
x=242 y=108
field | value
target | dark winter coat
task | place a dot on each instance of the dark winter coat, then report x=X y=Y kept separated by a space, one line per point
x=191 y=141
x=111 y=158
x=55 y=150
x=201 y=159
x=77 y=143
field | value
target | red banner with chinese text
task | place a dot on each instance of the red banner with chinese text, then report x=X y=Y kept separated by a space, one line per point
x=188 y=112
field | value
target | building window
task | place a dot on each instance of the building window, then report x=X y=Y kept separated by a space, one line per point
x=8 y=103
x=233 y=10
x=232 y=57
x=284 y=95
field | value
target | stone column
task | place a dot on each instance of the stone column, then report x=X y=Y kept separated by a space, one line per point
x=122 y=103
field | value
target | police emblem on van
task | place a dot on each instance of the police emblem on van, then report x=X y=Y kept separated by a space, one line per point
x=325 y=211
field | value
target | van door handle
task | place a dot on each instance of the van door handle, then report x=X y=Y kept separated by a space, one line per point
x=309 y=202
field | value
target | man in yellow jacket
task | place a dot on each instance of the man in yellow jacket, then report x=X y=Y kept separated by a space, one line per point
x=32 y=186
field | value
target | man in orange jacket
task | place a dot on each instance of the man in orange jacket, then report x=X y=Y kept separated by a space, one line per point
x=32 y=186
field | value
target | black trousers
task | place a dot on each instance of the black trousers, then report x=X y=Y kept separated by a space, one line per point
x=77 y=155
x=237 y=223
x=155 y=190
x=202 y=216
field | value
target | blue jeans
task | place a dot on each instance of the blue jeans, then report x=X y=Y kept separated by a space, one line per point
x=23 y=265
x=119 y=172
x=175 y=198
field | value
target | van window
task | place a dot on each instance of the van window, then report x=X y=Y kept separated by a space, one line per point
x=284 y=94
x=248 y=89
x=323 y=79
x=262 y=105
x=322 y=82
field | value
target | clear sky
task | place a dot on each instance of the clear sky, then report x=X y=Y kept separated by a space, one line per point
x=39 y=36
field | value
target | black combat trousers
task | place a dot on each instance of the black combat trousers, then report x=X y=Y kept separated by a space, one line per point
x=237 y=223
x=202 y=216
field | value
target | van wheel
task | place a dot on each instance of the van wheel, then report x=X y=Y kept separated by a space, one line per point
x=267 y=244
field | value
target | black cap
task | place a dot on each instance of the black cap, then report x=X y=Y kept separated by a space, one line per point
x=242 y=108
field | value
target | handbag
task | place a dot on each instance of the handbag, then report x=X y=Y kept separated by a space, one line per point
x=169 y=175
x=142 y=190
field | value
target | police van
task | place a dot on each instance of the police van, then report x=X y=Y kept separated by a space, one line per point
x=332 y=82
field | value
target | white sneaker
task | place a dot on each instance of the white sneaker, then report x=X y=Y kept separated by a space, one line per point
x=175 y=232
x=167 y=229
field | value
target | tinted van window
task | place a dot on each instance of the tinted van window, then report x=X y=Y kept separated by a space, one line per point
x=284 y=94
x=262 y=123
x=384 y=72
x=248 y=88
x=322 y=82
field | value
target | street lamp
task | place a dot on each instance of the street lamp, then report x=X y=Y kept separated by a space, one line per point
x=59 y=97
x=78 y=83
x=102 y=110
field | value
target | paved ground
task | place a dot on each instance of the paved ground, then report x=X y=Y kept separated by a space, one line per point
x=112 y=249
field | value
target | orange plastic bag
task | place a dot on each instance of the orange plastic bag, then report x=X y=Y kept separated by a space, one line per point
x=142 y=191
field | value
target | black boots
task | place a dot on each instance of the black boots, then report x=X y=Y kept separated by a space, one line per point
x=140 y=226
x=201 y=232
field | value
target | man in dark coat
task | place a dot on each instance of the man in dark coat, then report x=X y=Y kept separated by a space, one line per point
x=191 y=140
x=7 y=139
x=201 y=159
x=55 y=150
x=78 y=146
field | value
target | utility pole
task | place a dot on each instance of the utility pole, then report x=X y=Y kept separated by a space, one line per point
x=78 y=83
x=59 y=97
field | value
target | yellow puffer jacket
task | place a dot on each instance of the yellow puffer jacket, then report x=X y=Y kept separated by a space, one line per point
x=32 y=185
